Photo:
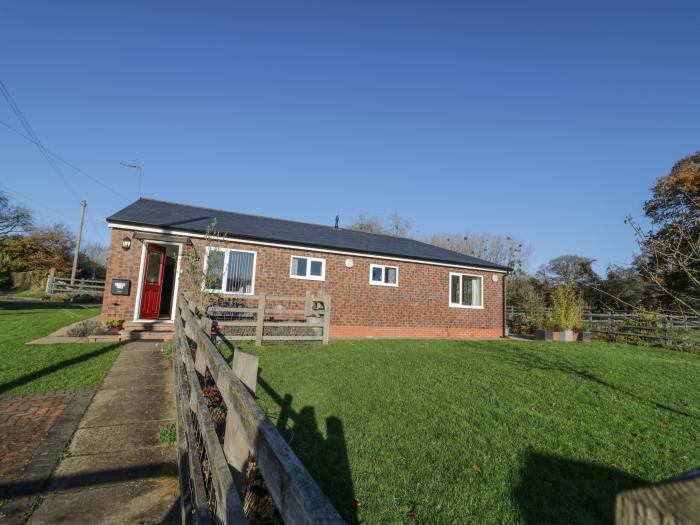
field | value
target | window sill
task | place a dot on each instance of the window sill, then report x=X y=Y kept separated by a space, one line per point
x=309 y=278
x=228 y=293
x=384 y=284
x=466 y=306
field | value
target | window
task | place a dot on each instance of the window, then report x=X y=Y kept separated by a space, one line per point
x=229 y=271
x=308 y=268
x=383 y=275
x=466 y=291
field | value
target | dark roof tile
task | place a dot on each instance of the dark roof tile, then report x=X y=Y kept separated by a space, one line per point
x=149 y=212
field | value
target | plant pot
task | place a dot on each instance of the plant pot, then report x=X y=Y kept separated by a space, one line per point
x=566 y=336
x=544 y=335
x=114 y=329
x=586 y=336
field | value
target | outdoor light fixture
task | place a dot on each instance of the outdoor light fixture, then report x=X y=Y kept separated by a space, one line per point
x=126 y=243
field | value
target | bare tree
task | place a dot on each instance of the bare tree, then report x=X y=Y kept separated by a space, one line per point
x=13 y=219
x=395 y=225
x=499 y=249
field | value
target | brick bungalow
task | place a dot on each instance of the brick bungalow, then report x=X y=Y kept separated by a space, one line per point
x=381 y=286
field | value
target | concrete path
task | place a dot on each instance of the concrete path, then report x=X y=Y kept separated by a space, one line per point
x=115 y=470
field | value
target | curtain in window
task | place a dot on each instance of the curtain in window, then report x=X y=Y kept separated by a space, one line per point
x=240 y=272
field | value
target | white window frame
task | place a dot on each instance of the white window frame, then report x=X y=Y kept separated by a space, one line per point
x=224 y=273
x=383 y=267
x=309 y=260
x=449 y=291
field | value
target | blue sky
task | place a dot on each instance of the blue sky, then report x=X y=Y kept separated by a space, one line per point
x=547 y=121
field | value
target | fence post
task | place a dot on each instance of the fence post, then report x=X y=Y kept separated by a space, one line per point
x=611 y=328
x=49 y=281
x=664 y=330
x=260 y=321
x=326 y=318
x=307 y=304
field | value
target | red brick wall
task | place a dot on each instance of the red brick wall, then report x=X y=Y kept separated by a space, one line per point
x=418 y=307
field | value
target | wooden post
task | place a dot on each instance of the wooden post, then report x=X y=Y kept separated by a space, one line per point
x=200 y=359
x=307 y=304
x=670 y=502
x=236 y=448
x=664 y=331
x=326 y=318
x=260 y=321
x=611 y=328
x=49 y=281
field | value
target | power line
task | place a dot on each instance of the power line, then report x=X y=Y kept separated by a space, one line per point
x=64 y=161
x=35 y=139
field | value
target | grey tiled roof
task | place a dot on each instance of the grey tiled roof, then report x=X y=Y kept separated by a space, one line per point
x=149 y=212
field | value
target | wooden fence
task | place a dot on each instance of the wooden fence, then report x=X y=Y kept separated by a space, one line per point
x=59 y=285
x=213 y=476
x=263 y=318
x=675 y=501
x=660 y=328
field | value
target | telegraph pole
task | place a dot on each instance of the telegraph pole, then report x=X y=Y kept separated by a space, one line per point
x=83 y=205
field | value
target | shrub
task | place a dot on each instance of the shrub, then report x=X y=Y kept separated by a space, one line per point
x=85 y=328
x=113 y=322
x=567 y=307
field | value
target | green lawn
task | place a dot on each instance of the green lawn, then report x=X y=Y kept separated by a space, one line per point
x=34 y=368
x=483 y=432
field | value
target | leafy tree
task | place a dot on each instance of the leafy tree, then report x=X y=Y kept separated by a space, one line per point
x=568 y=268
x=14 y=219
x=625 y=288
x=670 y=249
x=42 y=248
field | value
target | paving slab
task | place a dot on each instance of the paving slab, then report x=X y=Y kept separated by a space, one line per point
x=116 y=471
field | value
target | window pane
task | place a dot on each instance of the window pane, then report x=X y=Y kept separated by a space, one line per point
x=299 y=266
x=454 y=289
x=390 y=275
x=215 y=270
x=467 y=287
x=153 y=271
x=316 y=268
x=377 y=274
x=240 y=272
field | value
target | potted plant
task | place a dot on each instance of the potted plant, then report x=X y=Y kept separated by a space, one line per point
x=564 y=321
x=114 y=325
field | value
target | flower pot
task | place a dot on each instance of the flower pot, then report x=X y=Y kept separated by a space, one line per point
x=114 y=329
x=566 y=336
x=586 y=336
x=544 y=335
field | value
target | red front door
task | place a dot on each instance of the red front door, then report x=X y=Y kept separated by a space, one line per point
x=152 y=281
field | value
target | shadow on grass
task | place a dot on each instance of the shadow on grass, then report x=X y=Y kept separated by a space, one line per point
x=32 y=376
x=7 y=304
x=532 y=361
x=326 y=459
x=557 y=490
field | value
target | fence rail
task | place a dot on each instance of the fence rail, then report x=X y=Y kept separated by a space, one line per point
x=273 y=318
x=213 y=476
x=58 y=285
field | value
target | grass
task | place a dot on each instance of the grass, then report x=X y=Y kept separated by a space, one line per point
x=489 y=432
x=35 y=368
x=167 y=434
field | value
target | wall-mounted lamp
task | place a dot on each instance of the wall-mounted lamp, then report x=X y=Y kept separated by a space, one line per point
x=126 y=243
